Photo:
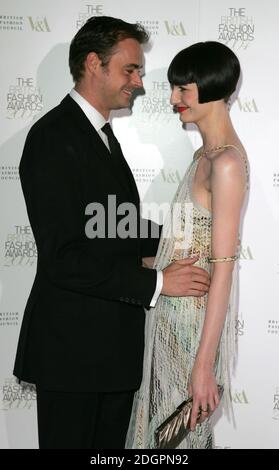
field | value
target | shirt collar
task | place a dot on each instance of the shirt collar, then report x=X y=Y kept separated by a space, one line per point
x=97 y=119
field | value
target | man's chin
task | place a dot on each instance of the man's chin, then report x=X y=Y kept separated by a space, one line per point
x=124 y=103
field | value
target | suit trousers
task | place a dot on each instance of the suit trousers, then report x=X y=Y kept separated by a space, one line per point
x=85 y=420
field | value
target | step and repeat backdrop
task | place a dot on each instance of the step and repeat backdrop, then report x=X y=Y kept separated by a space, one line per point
x=34 y=43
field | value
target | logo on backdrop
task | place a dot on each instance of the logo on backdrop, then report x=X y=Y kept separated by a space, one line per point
x=239 y=327
x=171 y=176
x=175 y=29
x=16 y=23
x=273 y=327
x=247 y=105
x=24 y=99
x=236 y=29
x=38 y=24
x=11 y=23
x=144 y=175
x=276 y=179
x=276 y=404
x=17 y=396
x=8 y=319
x=239 y=397
x=9 y=173
x=155 y=103
x=151 y=26
x=245 y=253
x=91 y=10
x=20 y=247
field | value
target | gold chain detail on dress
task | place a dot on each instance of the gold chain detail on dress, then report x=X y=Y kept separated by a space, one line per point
x=221 y=260
x=213 y=149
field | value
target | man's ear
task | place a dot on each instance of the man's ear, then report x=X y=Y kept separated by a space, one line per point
x=92 y=62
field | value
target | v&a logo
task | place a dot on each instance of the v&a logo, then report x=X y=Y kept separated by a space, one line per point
x=175 y=29
x=39 y=25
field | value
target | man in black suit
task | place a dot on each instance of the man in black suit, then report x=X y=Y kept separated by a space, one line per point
x=82 y=334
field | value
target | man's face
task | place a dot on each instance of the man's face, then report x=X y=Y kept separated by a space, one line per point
x=122 y=75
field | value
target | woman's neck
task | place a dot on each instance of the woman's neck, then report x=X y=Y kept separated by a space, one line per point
x=216 y=129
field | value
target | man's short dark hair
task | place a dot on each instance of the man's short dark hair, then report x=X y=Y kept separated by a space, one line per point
x=100 y=34
x=211 y=65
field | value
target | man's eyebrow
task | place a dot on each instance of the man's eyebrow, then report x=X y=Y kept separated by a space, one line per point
x=135 y=66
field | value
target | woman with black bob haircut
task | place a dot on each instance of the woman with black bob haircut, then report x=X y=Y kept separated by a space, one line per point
x=190 y=341
x=211 y=65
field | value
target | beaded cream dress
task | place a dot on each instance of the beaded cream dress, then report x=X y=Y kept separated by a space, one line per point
x=174 y=326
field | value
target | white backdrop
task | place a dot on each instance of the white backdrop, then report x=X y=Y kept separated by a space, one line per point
x=34 y=42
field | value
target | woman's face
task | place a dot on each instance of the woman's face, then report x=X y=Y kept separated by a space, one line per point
x=185 y=98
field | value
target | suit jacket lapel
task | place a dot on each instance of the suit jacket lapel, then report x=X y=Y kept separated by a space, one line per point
x=119 y=168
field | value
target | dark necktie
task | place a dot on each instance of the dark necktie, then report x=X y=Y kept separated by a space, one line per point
x=114 y=145
x=119 y=159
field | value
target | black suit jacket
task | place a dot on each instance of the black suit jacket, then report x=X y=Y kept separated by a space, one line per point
x=83 y=326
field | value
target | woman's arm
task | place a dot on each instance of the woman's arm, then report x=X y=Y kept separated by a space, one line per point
x=228 y=182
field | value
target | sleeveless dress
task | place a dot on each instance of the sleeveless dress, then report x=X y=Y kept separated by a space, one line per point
x=173 y=328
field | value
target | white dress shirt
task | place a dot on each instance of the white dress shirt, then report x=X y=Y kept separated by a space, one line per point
x=97 y=119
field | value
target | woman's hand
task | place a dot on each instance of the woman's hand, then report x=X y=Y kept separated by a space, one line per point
x=203 y=389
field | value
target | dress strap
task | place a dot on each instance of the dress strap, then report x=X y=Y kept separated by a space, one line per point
x=234 y=147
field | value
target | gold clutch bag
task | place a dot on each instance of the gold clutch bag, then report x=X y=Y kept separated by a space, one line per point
x=176 y=427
